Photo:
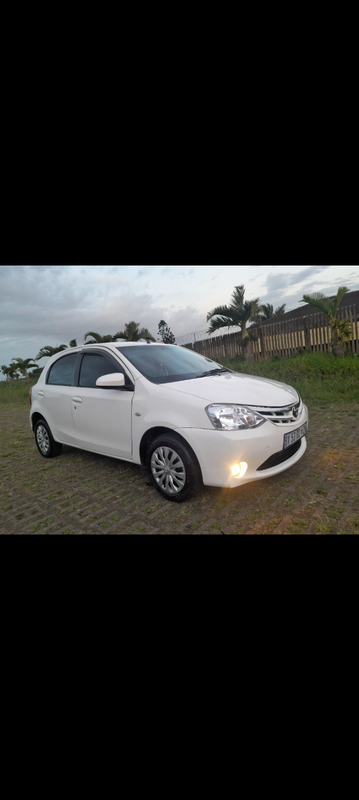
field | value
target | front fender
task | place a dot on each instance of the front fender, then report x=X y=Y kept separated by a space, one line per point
x=157 y=407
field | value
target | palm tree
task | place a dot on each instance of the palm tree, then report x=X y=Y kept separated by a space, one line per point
x=341 y=332
x=98 y=339
x=73 y=343
x=341 y=329
x=10 y=372
x=239 y=312
x=48 y=351
x=133 y=334
x=268 y=312
x=35 y=373
x=327 y=305
x=23 y=365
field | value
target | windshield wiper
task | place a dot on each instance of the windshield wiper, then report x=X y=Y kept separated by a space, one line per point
x=217 y=371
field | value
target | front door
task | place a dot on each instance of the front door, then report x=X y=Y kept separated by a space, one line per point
x=102 y=417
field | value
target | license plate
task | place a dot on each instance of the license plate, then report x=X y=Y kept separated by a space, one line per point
x=293 y=436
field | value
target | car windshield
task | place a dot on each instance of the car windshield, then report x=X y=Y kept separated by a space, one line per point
x=168 y=363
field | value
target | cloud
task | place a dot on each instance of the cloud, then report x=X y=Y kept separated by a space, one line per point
x=51 y=305
x=289 y=284
x=288 y=278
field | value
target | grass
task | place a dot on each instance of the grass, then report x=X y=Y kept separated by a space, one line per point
x=320 y=378
x=15 y=392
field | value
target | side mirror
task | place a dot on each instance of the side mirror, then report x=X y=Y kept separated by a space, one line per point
x=114 y=379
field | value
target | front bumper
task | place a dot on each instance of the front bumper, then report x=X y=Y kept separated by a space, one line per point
x=217 y=451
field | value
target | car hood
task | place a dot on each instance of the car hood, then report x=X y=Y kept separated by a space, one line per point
x=235 y=387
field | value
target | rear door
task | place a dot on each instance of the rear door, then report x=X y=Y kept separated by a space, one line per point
x=55 y=398
x=102 y=417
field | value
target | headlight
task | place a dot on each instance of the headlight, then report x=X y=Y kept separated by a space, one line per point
x=234 y=418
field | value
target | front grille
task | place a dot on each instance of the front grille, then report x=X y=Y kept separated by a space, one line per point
x=278 y=458
x=281 y=416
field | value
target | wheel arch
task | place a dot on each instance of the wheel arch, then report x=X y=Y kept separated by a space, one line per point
x=152 y=434
x=35 y=417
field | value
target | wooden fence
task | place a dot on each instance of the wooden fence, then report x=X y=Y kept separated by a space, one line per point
x=283 y=338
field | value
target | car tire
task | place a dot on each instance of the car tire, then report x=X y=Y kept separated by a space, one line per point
x=173 y=468
x=45 y=441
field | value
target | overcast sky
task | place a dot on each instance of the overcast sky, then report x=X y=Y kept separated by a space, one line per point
x=51 y=305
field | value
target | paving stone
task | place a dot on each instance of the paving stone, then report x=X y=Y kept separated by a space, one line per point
x=84 y=493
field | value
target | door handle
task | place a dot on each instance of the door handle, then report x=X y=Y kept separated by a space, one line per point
x=77 y=399
x=40 y=393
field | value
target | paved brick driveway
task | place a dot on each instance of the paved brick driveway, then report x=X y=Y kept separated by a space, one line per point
x=84 y=493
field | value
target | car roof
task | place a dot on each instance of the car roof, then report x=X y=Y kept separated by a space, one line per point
x=129 y=344
x=98 y=345
x=88 y=346
x=116 y=345
x=102 y=345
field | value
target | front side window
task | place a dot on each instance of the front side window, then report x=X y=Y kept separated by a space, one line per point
x=62 y=371
x=93 y=366
x=167 y=363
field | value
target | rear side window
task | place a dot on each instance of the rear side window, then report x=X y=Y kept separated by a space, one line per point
x=62 y=371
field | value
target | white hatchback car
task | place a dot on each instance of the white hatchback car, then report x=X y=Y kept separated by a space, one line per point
x=189 y=420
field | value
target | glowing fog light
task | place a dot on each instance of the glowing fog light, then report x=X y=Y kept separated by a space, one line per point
x=239 y=469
